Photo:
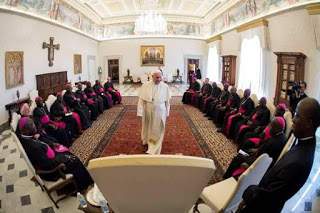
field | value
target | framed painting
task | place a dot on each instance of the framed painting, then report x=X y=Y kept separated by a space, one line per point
x=152 y=55
x=77 y=64
x=14 y=69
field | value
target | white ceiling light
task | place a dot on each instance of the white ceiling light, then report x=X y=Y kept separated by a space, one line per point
x=151 y=23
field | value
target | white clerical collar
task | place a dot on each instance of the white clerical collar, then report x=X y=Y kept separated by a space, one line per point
x=27 y=136
x=307 y=138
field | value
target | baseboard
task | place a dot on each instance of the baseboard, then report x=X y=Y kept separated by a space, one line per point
x=4 y=126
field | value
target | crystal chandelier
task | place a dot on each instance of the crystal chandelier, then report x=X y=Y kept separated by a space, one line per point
x=151 y=23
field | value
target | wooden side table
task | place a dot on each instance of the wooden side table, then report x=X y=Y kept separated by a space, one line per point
x=90 y=208
x=14 y=106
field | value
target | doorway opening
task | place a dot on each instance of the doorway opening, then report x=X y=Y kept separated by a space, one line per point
x=192 y=64
x=113 y=70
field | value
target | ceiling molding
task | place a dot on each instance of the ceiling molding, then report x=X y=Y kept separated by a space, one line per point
x=169 y=18
x=220 y=9
x=214 y=38
x=253 y=24
x=313 y=9
x=86 y=11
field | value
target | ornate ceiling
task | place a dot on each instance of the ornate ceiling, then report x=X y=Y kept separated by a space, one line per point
x=124 y=11
x=112 y=19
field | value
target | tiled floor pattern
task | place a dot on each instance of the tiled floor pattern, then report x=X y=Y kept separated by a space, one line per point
x=177 y=89
x=19 y=194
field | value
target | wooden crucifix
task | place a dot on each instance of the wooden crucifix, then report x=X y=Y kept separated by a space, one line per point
x=51 y=48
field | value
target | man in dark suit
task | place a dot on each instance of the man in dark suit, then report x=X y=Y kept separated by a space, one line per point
x=272 y=147
x=288 y=175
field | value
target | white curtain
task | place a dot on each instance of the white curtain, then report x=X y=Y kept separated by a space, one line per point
x=213 y=66
x=254 y=45
x=315 y=20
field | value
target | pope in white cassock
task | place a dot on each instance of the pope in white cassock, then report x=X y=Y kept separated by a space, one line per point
x=153 y=107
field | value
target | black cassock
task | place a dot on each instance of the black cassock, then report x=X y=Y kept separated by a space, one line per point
x=57 y=110
x=219 y=113
x=262 y=118
x=43 y=134
x=93 y=106
x=222 y=100
x=272 y=147
x=205 y=92
x=83 y=111
x=114 y=95
x=216 y=91
x=37 y=153
x=282 y=181
x=98 y=100
x=98 y=89
x=60 y=134
x=247 y=105
x=186 y=99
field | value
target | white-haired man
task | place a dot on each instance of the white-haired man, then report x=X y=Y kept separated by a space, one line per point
x=153 y=107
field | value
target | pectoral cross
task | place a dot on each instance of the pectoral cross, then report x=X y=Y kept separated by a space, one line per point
x=51 y=48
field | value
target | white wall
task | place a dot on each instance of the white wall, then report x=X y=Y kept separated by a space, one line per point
x=289 y=32
x=293 y=32
x=20 y=33
x=175 y=50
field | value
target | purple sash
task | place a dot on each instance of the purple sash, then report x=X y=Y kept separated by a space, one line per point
x=45 y=119
x=50 y=153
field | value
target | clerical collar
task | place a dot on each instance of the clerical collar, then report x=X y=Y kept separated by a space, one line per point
x=27 y=136
x=307 y=138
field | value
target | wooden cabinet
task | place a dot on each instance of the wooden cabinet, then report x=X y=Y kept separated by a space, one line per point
x=290 y=69
x=229 y=69
x=51 y=83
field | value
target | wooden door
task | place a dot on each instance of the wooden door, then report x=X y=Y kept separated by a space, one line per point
x=113 y=70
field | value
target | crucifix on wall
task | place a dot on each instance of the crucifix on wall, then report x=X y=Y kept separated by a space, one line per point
x=51 y=48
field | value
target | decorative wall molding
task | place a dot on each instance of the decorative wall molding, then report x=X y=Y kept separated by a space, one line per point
x=214 y=38
x=253 y=24
x=313 y=9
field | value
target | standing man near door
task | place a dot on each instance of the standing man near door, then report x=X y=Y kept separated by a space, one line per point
x=153 y=109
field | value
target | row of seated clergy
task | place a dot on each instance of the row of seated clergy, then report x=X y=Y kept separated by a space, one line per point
x=222 y=101
x=205 y=91
x=271 y=146
x=47 y=156
x=193 y=89
x=47 y=130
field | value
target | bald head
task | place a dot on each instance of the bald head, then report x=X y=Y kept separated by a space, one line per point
x=275 y=126
x=28 y=128
x=68 y=88
x=307 y=118
x=79 y=86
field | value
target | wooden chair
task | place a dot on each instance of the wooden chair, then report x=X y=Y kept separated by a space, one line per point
x=151 y=183
x=226 y=195
x=240 y=93
x=220 y=85
x=271 y=108
x=286 y=147
x=48 y=186
x=32 y=95
x=51 y=99
x=254 y=98
x=288 y=118
x=200 y=82
x=14 y=121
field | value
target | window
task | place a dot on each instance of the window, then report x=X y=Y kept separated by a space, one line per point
x=251 y=72
x=213 y=64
